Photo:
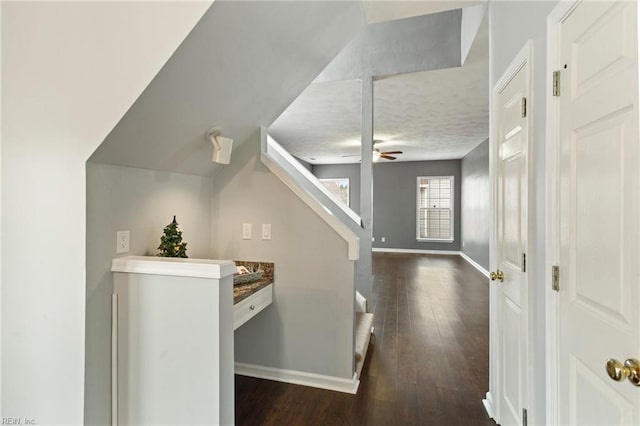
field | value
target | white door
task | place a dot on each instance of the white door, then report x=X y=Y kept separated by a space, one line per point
x=512 y=136
x=599 y=190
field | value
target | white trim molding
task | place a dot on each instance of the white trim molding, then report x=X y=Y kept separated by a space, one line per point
x=557 y=16
x=451 y=209
x=114 y=359
x=413 y=251
x=487 y=402
x=474 y=264
x=272 y=144
x=338 y=384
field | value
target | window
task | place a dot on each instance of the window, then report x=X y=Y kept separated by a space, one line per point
x=435 y=208
x=338 y=187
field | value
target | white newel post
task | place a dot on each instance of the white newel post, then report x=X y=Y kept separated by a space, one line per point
x=173 y=330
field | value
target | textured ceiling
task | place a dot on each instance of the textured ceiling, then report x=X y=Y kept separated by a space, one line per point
x=431 y=115
x=322 y=124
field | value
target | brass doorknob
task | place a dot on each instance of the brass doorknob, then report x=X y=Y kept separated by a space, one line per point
x=618 y=372
x=498 y=275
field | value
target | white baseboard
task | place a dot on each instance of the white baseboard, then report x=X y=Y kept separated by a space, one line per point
x=338 y=384
x=488 y=405
x=475 y=264
x=413 y=251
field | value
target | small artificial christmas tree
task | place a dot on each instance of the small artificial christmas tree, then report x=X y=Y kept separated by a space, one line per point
x=171 y=244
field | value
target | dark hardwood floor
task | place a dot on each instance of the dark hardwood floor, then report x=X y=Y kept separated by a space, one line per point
x=428 y=361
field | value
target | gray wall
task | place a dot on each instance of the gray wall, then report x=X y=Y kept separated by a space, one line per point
x=240 y=67
x=351 y=171
x=472 y=18
x=143 y=202
x=427 y=42
x=309 y=326
x=475 y=204
x=394 y=203
x=512 y=24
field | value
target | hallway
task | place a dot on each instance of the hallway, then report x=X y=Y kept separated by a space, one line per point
x=428 y=362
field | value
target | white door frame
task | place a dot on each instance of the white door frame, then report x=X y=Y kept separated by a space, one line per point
x=523 y=59
x=552 y=215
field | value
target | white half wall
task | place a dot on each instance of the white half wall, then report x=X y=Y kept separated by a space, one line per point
x=142 y=202
x=70 y=70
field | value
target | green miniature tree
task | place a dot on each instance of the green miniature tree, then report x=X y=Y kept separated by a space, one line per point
x=171 y=244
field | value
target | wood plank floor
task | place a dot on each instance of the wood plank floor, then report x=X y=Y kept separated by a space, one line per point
x=428 y=361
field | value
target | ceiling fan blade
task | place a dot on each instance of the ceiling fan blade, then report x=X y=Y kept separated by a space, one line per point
x=392 y=152
x=388 y=157
x=350 y=155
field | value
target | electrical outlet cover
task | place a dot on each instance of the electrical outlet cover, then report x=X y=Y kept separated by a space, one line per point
x=122 y=242
x=246 y=231
x=266 y=231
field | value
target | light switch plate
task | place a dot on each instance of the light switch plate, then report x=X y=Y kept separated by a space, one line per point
x=246 y=231
x=383 y=239
x=122 y=242
x=266 y=231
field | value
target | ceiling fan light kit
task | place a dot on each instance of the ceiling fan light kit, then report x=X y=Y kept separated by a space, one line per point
x=387 y=155
x=377 y=154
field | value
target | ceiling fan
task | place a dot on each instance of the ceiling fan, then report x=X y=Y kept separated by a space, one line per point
x=377 y=154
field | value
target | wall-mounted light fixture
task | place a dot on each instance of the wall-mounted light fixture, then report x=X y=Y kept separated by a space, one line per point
x=221 y=146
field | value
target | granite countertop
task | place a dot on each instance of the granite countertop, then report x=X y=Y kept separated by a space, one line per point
x=242 y=291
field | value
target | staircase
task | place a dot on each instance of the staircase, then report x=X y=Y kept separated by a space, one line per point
x=305 y=185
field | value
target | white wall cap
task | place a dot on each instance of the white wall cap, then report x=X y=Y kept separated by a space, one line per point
x=153 y=265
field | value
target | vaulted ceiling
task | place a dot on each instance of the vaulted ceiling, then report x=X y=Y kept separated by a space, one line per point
x=239 y=68
x=440 y=113
x=244 y=63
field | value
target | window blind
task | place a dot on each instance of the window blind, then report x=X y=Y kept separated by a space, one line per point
x=435 y=200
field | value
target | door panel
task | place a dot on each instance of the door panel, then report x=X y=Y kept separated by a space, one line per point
x=594 y=398
x=601 y=48
x=599 y=163
x=511 y=358
x=512 y=244
x=599 y=215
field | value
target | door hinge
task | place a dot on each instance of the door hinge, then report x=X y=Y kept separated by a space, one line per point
x=555 y=277
x=524 y=417
x=524 y=262
x=556 y=83
x=524 y=107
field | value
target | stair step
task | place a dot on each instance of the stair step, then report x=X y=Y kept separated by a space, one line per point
x=364 y=328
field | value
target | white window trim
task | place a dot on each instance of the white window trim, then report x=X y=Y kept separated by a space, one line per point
x=453 y=214
x=338 y=179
